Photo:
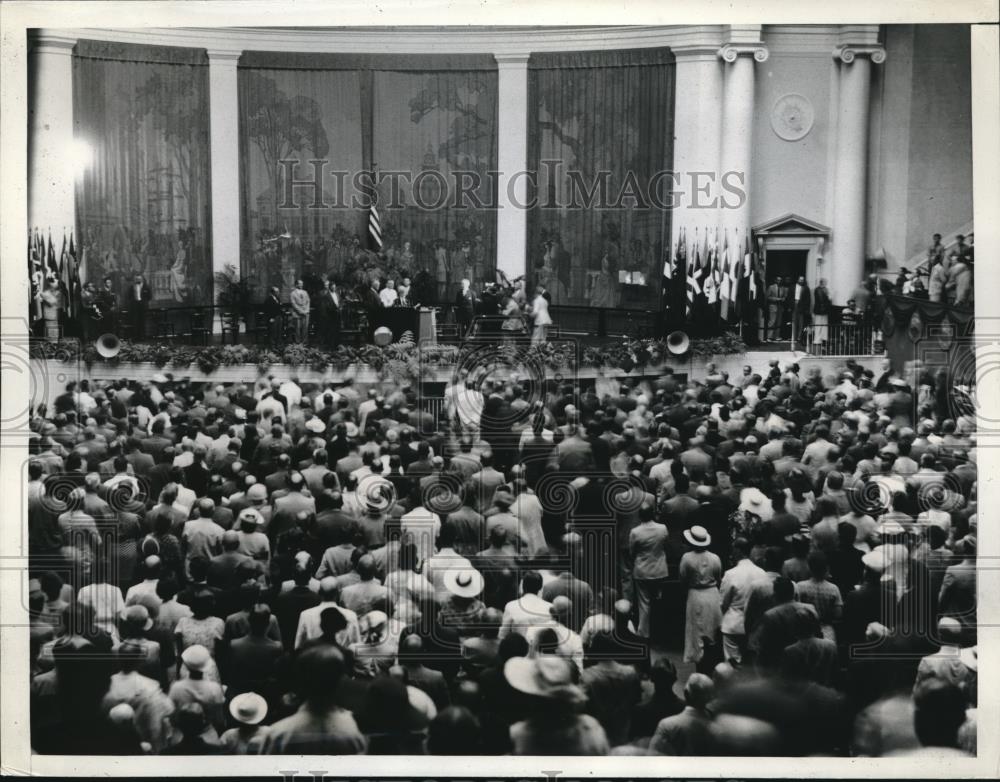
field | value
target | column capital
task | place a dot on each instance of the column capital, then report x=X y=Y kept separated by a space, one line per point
x=52 y=43
x=224 y=55
x=518 y=60
x=847 y=52
x=731 y=52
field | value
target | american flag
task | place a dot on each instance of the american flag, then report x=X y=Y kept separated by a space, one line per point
x=374 y=223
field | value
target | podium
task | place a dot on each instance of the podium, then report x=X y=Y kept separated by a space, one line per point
x=427 y=326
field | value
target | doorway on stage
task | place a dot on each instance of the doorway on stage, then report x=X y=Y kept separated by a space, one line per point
x=787 y=264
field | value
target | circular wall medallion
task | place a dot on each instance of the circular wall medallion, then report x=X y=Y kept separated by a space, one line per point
x=792 y=117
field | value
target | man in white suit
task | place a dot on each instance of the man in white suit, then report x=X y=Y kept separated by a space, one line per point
x=540 y=315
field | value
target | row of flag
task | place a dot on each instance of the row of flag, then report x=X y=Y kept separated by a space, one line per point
x=67 y=270
x=700 y=275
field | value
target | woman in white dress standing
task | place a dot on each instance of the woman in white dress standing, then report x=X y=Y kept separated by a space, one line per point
x=700 y=573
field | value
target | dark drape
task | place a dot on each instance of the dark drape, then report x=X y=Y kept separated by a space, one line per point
x=604 y=120
x=144 y=202
x=437 y=126
x=358 y=113
x=297 y=116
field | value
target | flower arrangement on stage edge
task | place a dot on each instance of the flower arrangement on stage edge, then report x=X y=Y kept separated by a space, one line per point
x=400 y=360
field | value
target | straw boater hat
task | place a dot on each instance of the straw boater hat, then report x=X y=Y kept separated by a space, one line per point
x=753 y=500
x=315 y=425
x=248 y=708
x=698 y=537
x=547 y=676
x=250 y=516
x=463 y=583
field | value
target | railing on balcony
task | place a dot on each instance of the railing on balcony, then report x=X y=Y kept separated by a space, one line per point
x=844 y=339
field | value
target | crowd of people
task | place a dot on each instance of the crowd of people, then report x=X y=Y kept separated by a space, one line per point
x=773 y=564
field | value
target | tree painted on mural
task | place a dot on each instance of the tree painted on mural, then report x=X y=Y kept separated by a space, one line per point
x=173 y=104
x=600 y=122
x=281 y=126
x=470 y=103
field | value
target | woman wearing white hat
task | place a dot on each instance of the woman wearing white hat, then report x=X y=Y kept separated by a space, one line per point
x=700 y=573
x=248 y=709
x=555 y=725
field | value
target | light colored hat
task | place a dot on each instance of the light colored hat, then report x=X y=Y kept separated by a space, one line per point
x=121 y=714
x=373 y=620
x=351 y=429
x=196 y=657
x=159 y=378
x=876 y=560
x=248 y=708
x=753 y=500
x=890 y=527
x=698 y=537
x=463 y=583
x=547 y=676
x=240 y=413
x=138 y=616
x=257 y=491
x=250 y=516
x=315 y=425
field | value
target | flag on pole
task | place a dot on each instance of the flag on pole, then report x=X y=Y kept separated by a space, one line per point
x=35 y=274
x=725 y=284
x=739 y=260
x=50 y=259
x=65 y=283
x=73 y=305
x=374 y=223
x=710 y=278
x=693 y=265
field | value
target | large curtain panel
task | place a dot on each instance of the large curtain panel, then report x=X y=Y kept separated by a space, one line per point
x=293 y=109
x=440 y=128
x=144 y=202
x=397 y=115
x=604 y=120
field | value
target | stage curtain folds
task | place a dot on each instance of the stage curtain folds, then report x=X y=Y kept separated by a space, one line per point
x=298 y=116
x=605 y=118
x=438 y=127
x=359 y=113
x=144 y=201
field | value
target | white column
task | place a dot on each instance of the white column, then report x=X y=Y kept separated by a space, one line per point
x=224 y=123
x=697 y=133
x=53 y=158
x=737 y=135
x=847 y=261
x=512 y=161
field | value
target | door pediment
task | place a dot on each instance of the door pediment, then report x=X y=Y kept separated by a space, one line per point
x=791 y=225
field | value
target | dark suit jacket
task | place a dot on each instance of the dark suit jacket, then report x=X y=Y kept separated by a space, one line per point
x=145 y=296
x=466 y=304
x=251 y=662
x=805 y=302
x=272 y=307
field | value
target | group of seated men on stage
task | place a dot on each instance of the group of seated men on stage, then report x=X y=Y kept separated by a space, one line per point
x=774 y=564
